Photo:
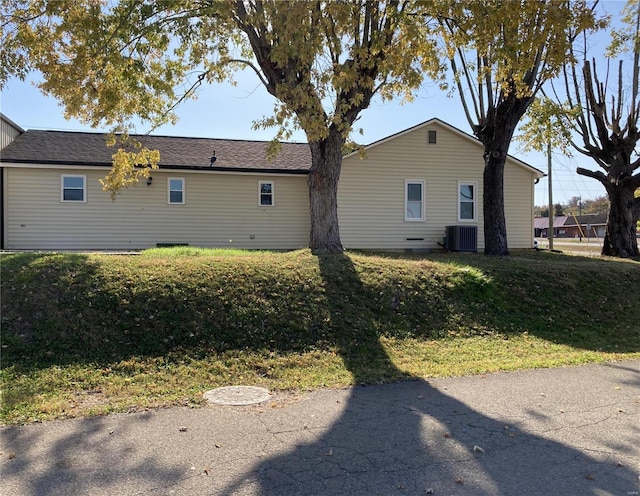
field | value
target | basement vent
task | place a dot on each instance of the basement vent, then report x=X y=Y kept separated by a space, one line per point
x=432 y=137
x=462 y=238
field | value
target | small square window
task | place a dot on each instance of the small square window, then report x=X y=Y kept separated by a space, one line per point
x=176 y=190
x=265 y=194
x=74 y=189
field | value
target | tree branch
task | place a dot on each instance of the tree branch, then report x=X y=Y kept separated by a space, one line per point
x=599 y=176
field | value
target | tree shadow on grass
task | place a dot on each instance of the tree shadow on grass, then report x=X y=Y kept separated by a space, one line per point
x=412 y=438
x=402 y=438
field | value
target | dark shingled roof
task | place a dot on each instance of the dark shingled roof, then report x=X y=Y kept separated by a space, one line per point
x=78 y=148
x=596 y=219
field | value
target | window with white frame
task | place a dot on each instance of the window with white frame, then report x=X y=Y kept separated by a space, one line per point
x=467 y=201
x=73 y=188
x=175 y=190
x=414 y=200
x=266 y=194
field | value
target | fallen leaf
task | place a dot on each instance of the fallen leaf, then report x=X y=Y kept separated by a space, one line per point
x=447 y=435
x=478 y=448
x=183 y=428
x=459 y=480
x=429 y=491
x=590 y=477
x=207 y=470
x=330 y=452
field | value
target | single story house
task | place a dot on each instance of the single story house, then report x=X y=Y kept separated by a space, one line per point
x=586 y=226
x=573 y=226
x=541 y=226
x=410 y=191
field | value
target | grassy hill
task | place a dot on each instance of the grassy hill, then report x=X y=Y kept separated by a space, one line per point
x=91 y=334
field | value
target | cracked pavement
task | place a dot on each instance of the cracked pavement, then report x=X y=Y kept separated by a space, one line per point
x=565 y=431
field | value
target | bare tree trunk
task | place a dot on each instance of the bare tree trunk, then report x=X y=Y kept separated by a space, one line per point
x=496 y=136
x=495 y=226
x=326 y=160
x=620 y=239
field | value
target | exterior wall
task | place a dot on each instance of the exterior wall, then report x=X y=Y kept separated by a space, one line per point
x=220 y=210
x=8 y=132
x=518 y=206
x=371 y=197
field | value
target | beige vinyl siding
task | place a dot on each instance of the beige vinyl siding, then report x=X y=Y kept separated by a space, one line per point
x=221 y=210
x=371 y=192
x=518 y=201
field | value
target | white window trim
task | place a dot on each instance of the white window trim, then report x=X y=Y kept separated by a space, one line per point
x=475 y=201
x=273 y=193
x=407 y=182
x=84 y=188
x=184 y=193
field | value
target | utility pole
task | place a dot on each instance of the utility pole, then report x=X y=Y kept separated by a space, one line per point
x=550 y=233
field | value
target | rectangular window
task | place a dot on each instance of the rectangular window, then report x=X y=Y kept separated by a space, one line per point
x=414 y=201
x=74 y=189
x=467 y=205
x=265 y=194
x=432 y=137
x=176 y=190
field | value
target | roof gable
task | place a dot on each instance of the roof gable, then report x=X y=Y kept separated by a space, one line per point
x=538 y=173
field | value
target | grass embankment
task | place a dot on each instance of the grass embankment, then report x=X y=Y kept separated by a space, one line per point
x=91 y=334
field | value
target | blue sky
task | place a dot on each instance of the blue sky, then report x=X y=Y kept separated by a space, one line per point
x=225 y=111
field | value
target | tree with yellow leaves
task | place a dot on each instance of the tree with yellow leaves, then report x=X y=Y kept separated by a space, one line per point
x=322 y=60
x=500 y=53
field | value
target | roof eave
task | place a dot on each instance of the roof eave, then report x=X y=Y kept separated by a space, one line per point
x=71 y=163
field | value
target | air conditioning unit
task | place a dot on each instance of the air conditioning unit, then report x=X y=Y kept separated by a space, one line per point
x=462 y=238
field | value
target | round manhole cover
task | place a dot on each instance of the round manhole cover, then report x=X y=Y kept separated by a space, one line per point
x=237 y=395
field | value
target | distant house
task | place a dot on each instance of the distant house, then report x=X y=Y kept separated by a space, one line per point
x=541 y=226
x=409 y=192
x=578 y=226
x=586 y=226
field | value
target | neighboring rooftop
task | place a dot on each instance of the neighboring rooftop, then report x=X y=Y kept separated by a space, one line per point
x=570 y=220
x=82 y=148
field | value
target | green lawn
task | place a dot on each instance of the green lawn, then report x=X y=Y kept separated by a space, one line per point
x=92 y=334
